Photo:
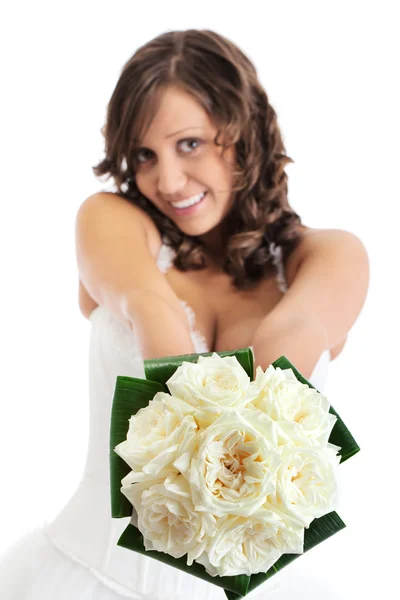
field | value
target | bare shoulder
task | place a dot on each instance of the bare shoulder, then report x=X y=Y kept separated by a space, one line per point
x=152 y=234
x=338 y=262
x=327 y=243
x=105 y=218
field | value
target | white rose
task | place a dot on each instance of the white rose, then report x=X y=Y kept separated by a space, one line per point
x=299 y=409
x=157 y=435
x=306 y=483
x=167 y=519
x=247 y=545
x=214 y=383
x=234 y=466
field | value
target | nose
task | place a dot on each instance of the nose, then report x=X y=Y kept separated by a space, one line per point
x=171 y=178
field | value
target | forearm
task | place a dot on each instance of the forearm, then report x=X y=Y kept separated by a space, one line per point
x=161 y=329
x=302 y=344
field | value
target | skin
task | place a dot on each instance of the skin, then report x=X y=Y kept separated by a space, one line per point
x=173 y=166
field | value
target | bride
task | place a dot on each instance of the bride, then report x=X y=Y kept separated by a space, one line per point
x=195 y=249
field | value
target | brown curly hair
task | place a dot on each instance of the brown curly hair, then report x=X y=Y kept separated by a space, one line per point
x=225 y=83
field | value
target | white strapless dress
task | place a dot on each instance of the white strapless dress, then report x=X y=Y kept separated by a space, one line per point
x=75 y=556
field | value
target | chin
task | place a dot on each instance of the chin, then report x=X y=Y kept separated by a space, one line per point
x=193 y=231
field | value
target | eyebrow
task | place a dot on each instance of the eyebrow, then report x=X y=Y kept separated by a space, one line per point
x=180 y=130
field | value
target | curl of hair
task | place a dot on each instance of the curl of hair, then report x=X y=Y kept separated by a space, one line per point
x=225 y=83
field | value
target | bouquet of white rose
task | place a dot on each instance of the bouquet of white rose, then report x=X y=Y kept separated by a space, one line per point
x=225 y=477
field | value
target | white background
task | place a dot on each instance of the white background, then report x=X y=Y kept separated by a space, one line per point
x=330 y=71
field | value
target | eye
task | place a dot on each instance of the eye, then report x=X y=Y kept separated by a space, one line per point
x=143 y=151
x=138 y=153
x=190 y=141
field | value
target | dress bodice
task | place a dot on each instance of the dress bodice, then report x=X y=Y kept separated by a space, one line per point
x=84 y=528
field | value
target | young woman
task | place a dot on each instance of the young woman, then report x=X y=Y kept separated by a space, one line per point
x=195 y=249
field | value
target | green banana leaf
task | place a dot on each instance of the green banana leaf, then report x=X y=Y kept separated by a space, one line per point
x=132 y=394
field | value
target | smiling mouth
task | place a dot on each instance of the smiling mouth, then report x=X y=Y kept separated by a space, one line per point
x=191 y=208
x=188 y=202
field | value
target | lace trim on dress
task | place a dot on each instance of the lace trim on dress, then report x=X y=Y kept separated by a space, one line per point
x=276 y=253
x=164 y=262
x=198 y=338
x=165 y=257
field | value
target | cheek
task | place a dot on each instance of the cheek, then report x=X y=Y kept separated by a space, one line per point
x=141 y=183
x=218 y=173
x=147 y=189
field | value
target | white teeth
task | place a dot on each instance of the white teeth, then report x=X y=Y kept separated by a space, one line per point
x=188 y=202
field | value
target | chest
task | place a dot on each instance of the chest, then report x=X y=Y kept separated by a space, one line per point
x=225 y=316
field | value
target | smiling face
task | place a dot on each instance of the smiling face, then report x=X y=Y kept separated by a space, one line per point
x=177 y=159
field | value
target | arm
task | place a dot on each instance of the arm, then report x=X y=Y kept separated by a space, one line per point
x=117 y=269
x=162 y=329
x=321 y=305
